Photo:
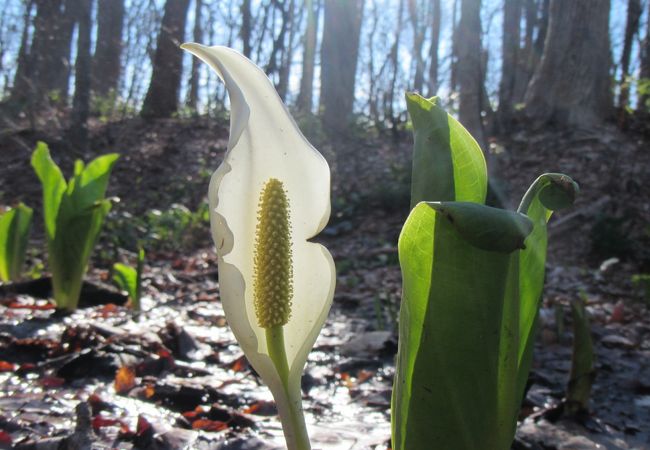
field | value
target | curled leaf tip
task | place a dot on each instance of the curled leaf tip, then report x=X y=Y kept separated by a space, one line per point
x=273 y=267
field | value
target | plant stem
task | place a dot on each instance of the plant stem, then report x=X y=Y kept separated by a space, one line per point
x=297 y=438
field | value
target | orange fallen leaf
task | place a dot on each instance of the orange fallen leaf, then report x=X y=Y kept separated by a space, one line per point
x=6 y=366
x=209 y=425
x=194 y=413
x=124 y=380
x=364 y=375
x=240 y=364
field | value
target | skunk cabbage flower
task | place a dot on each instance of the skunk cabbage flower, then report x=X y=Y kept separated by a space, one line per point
x=270 y=195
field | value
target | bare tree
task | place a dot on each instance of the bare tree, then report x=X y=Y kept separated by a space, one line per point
x=305 y=97
x=22 y=77
x=644 y=72
x=470 y=78
x=418 y=19
x=433 y=49
x=510 y=56
x=571 y=86
x=108 y=52
x=193 y=96
x=162 y=96
x=78 y=133
x=339 y=55
x=246 y=26
x=631 y=29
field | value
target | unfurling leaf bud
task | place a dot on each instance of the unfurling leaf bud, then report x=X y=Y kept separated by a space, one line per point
x=273 y=267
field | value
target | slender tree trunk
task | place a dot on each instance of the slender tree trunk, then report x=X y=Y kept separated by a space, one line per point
x=510 y=55
x=162 y=96
x=643 y=89
x=286 y=56
x=193 y=96
x=108 y=51
x=417 y=17
x=81 y=101
x=470 y=79
x=339 y=55
x=631 y=29
x=22 y=84
x=246 y=24
x=433 y=50
x=572 y=85
x=453 y=67
x=389 y=106
x=306 y=95
x=527 y=59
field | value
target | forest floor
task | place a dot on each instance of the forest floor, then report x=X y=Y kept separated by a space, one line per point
x=174 y=377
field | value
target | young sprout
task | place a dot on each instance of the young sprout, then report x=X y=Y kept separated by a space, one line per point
x=268 y=198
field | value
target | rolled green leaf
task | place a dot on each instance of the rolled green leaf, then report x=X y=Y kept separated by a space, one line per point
x=74 y=213
x=449 y=359
x=549 y=192
x=582 y=362
x=448 y=164
x=15 y=225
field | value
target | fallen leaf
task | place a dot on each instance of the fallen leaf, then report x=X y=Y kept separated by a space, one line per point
x=124 y=380
x=51 y=382
x=6 y=366
x=209 y=425
x=99 y=422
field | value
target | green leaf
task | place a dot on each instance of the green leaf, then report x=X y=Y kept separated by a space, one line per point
x=485 y=227
x=582 y=361
x=15 y=225
x=126 y=278
x=130 y=280
x=448 y=164
x=550 y=191
x=74 y=213
x=453 y=361
x=54 y=185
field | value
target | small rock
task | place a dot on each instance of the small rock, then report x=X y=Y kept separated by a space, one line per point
x=615 y=340
x=367 y=344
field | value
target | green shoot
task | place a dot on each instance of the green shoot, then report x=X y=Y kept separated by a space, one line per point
x=74 y=212
x=14 y=231
x=472 y=281
x=129 y=279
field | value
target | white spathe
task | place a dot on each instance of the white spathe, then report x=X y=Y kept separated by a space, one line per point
x=265 y=143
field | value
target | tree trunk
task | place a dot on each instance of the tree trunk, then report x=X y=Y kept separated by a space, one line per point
x=162 y=96
x=108 y=52
x=453 y=66
x=510 y=59
x=418 y=22
x=643 y=88
x=50 y=51
x=193 y=96
x=339 y=54
x=571 y=85
x=305 y=97
x=527 y=59
x=470 y=79
x=631 y=29
x=245 y=32
x=285 y=51
x=22 y=78
x=81 y=102
x=433 y=50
